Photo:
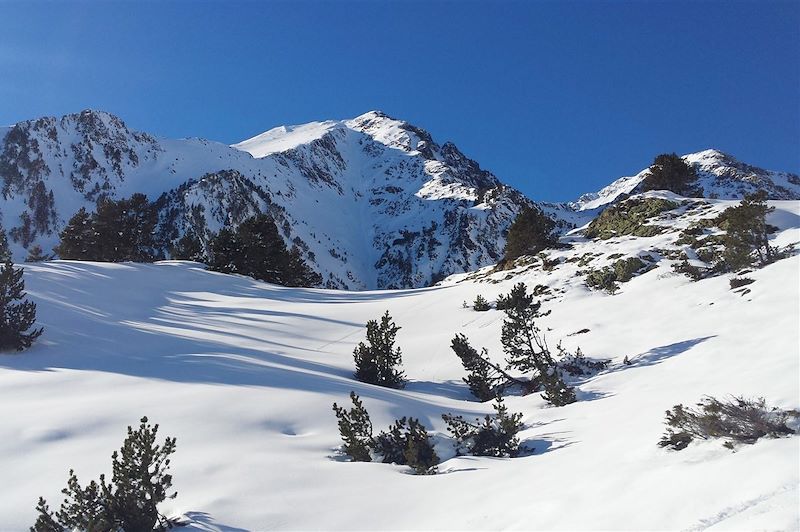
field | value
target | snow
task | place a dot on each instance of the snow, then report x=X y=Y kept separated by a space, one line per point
x=244 y=374
x=283 y=138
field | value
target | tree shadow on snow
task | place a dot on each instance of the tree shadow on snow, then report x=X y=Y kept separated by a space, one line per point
x=659 y=354
x=204 y=522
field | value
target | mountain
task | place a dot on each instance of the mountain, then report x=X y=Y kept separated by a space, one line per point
x=371 y=202
x=719 y=174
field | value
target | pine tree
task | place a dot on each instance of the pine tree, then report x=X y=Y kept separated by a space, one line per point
x=78 y=240
x=485 y=379
x=256 y=249
x=296 y=271
x=530 y=233
x=377 y=363
x=355 y=428
x=480 y=304
x=15 y=318
x=670 y=172
x=495 y=436
x=407 y=443
x=140 y=479
x=36 y=254
x=188 y=247
x=5 y=251
x=225 y=248
x=124 y=229
x=129 y=502
x=746 y=232
x=527 y=351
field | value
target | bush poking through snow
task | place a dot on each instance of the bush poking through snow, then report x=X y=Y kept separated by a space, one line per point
x=577 y=365
x=480 y=304
x=377 y=362
x=738 y=282
x=15 y=318
x=355 y=428
x=406 y=441
x=738 y=420
x=129 y=502
x=495 y=436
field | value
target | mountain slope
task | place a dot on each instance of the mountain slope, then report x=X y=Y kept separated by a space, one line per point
x=244 y=374
x=720 y=176
x=372 y=202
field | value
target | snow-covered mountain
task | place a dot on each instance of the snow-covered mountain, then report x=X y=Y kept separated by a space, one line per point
x=372 y=202
x=719 y=174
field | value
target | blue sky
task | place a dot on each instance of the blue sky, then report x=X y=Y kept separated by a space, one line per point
x=555 y=98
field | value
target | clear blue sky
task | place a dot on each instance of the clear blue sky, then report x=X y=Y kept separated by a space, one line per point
x=556 y=98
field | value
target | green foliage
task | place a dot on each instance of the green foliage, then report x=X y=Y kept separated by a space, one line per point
x=739 y=420
x=577 y=365
x=495 y=436
x=5 y=251
x=747 y=232
x=738 y=282
x=629 y=218
x=256 y=249
x=377 y=363
x=188 y=247
x=622 y=270
x=16 y=316
x=485 y=380
x=670 y=172
x=129 y=502
x=480 y=304
x=37 y=254
x=602 y=279
x=530 y=233
x=518 y=299
x=120 y=230
x=526 y=351
x=355 y=428
x=407 y=443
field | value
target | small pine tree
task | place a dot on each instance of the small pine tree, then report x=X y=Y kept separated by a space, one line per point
x=296 y=272
x=517 y=299
x=377 y=362
x=140 y=482
x=36 y=254
x=531 y=232
x=527 y=351
x=480 y=304
x=407 y=443
x=15 y=318
x=355 y=428
x=746 y=232
x=670 y=172
x=495 y=436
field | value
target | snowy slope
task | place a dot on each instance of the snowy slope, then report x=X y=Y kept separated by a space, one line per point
x=372 y=202
x=244 y=374
x=720 y=175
